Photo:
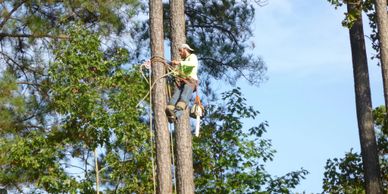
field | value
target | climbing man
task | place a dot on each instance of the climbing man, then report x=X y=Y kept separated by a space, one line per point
x=186 y=81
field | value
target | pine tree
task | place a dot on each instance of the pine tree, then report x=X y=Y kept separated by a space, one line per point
x=159 y=100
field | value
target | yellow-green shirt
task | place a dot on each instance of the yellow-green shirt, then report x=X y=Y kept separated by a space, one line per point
x=189 y=62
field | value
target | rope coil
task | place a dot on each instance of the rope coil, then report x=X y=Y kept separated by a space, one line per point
x=148 y=64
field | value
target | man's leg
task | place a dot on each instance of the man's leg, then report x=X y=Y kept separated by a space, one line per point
x=175 y=96
x=185 y=97
x=170 y=110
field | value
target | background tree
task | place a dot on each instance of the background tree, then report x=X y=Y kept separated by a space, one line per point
x=382 y=24
x=98 y=100
x=93 y=106
x=363 y=102
x=369 y=8
x=377 y=22
x=363 y=97
x=28 y=29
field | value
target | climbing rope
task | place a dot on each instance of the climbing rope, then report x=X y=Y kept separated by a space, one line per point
x=151 y=139
x=147 y=64
x=172 y=145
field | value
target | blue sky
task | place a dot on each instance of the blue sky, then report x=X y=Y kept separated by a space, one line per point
x=309 y=97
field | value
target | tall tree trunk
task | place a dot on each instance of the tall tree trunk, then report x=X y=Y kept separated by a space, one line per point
x=364 y=103
x=159 y=101
x=185 y=175
x=382 y=25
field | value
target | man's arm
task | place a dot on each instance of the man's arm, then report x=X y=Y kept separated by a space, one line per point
x=191 y=61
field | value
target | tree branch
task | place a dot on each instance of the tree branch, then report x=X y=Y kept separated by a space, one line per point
x=6 y=18
x=60 y=36
x=220 y=63
x=5 y=55
x=222 y=29
x=73 y=166
x=17 y=187
x=211 y=23
x=28 y=83
x=226 y=64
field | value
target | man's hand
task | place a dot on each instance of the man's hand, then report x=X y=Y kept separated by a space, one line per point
x=175 y=63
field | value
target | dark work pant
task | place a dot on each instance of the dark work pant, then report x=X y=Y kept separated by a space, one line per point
x=181 y=93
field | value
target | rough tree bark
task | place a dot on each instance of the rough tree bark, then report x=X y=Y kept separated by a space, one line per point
x=184 y=163
x=159 y=100
x=364 y=103
x=382 y=26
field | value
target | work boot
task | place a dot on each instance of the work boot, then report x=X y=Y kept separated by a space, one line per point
x=181 y=105
x=170 y=112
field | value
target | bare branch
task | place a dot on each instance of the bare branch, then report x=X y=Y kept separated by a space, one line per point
x=231 y=35
x=28 y=83
x=60 y=36
x=222 y=64
x=6 y=18
x=16 y=63
x=17 y=187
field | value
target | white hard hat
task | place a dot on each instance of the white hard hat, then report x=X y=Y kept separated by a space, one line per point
x=186 y=46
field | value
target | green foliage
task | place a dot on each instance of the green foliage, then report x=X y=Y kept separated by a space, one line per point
x=34 y=159
x=336 y=3
x=44 y=17
x=380 y=117
x=229 y=159
x=29 y=27
x=370 y=11
x=350 y=17
x=98 y=101
x=81 y=79
x=346 y=175
x=92 y=104
x=11 y=104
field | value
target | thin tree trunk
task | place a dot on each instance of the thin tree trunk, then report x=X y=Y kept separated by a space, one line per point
x=364 y=104
x=382 y=25
x=159 y=101
x=185 y=175
x=97 y=171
